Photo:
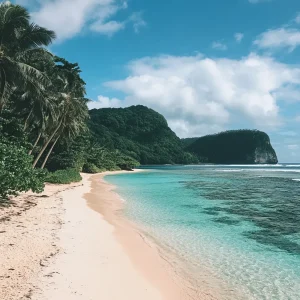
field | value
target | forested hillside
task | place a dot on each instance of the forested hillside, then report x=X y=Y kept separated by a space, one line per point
x=234 y=147
x=138 y=132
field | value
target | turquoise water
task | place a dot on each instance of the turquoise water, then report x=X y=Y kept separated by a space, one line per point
x=235 y=226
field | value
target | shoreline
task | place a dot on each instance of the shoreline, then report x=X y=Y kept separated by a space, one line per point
x=184 y=280
x=71 y=242
x=143 y=253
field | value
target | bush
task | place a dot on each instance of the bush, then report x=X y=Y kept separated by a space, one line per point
x=91 y=168
x=16 y=172
x=64 y=176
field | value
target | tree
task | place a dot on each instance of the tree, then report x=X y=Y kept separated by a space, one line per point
x=73 y=124
x=19 y=40
x=72 y=106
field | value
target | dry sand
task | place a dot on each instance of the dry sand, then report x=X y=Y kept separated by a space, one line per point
x=54 y=246
x=29 y=240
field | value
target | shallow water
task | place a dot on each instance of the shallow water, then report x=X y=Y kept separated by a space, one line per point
x=241 y=223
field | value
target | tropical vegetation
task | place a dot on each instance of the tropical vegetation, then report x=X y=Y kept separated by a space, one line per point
x=138 y=132
x=43 y=110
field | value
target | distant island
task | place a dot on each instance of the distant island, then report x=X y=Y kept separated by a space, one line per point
x=233 y=147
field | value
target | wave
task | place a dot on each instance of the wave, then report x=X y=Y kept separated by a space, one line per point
x=231 y=170
x=279 y=170
x=296 y=179
x=295 y=166
x=258 y=170
x=248 y=166
x=256 y=166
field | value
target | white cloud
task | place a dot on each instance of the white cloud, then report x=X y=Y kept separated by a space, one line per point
x=290 y=93
x=137 y=21
x=279 y=38
x=103 y=102
x=239 y=37
x=219 y=46
x=199 y=95
x=108 y=28
x=71 y=17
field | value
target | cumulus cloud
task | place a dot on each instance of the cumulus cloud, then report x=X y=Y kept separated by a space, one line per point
x=103 y=102
x=71 y=17
x=239 y=37
x=279 y=38
x=199 y=95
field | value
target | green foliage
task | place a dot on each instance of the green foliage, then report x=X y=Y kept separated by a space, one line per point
x=20 y=40
x=16 y=172
x=91 y=168
x=63 y=176
x=234 y=147
x=137 y=132
x=70 y=155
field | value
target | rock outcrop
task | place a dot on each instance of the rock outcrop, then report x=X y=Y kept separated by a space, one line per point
x=234 y=147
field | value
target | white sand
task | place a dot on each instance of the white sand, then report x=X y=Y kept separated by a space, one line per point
x=61 y=248
x=93 y=264
x=28 y=240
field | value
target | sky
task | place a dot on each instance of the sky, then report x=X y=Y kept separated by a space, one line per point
x=206 y=65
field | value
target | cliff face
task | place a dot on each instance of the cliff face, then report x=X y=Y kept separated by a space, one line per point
x=235 y=147
x=261 y=156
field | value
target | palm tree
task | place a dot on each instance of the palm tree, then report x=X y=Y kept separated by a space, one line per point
x=74 y=124
x=72 y=106
x=19 y=40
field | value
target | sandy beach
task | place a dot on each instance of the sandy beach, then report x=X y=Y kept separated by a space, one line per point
x=71 y=242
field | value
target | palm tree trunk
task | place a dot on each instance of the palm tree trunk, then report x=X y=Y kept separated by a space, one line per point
x=35 y=143
x=27 y=119
x=46 y=145
x=50 y=151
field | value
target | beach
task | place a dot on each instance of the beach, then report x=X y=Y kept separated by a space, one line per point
x=72 y=242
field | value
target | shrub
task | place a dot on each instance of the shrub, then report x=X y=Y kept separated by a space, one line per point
x=16 y=172
x=64 y=176
x=91 y=168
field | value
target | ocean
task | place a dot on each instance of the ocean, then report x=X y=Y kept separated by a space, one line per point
x=235 y=228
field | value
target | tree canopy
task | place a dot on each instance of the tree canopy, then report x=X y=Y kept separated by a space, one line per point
x=234 y=147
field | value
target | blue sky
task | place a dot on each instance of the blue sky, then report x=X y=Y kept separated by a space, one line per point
x=207 y=66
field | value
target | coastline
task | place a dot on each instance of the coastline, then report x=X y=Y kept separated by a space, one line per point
x=159 y=264
x=71 y=242
x=142 y=252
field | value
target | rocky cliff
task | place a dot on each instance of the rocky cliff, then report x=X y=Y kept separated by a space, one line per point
x=234 y=147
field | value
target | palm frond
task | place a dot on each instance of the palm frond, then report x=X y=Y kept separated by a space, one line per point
x=34 y=36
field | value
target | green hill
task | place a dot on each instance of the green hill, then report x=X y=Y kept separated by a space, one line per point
x=138 y=132
x=234 y=147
